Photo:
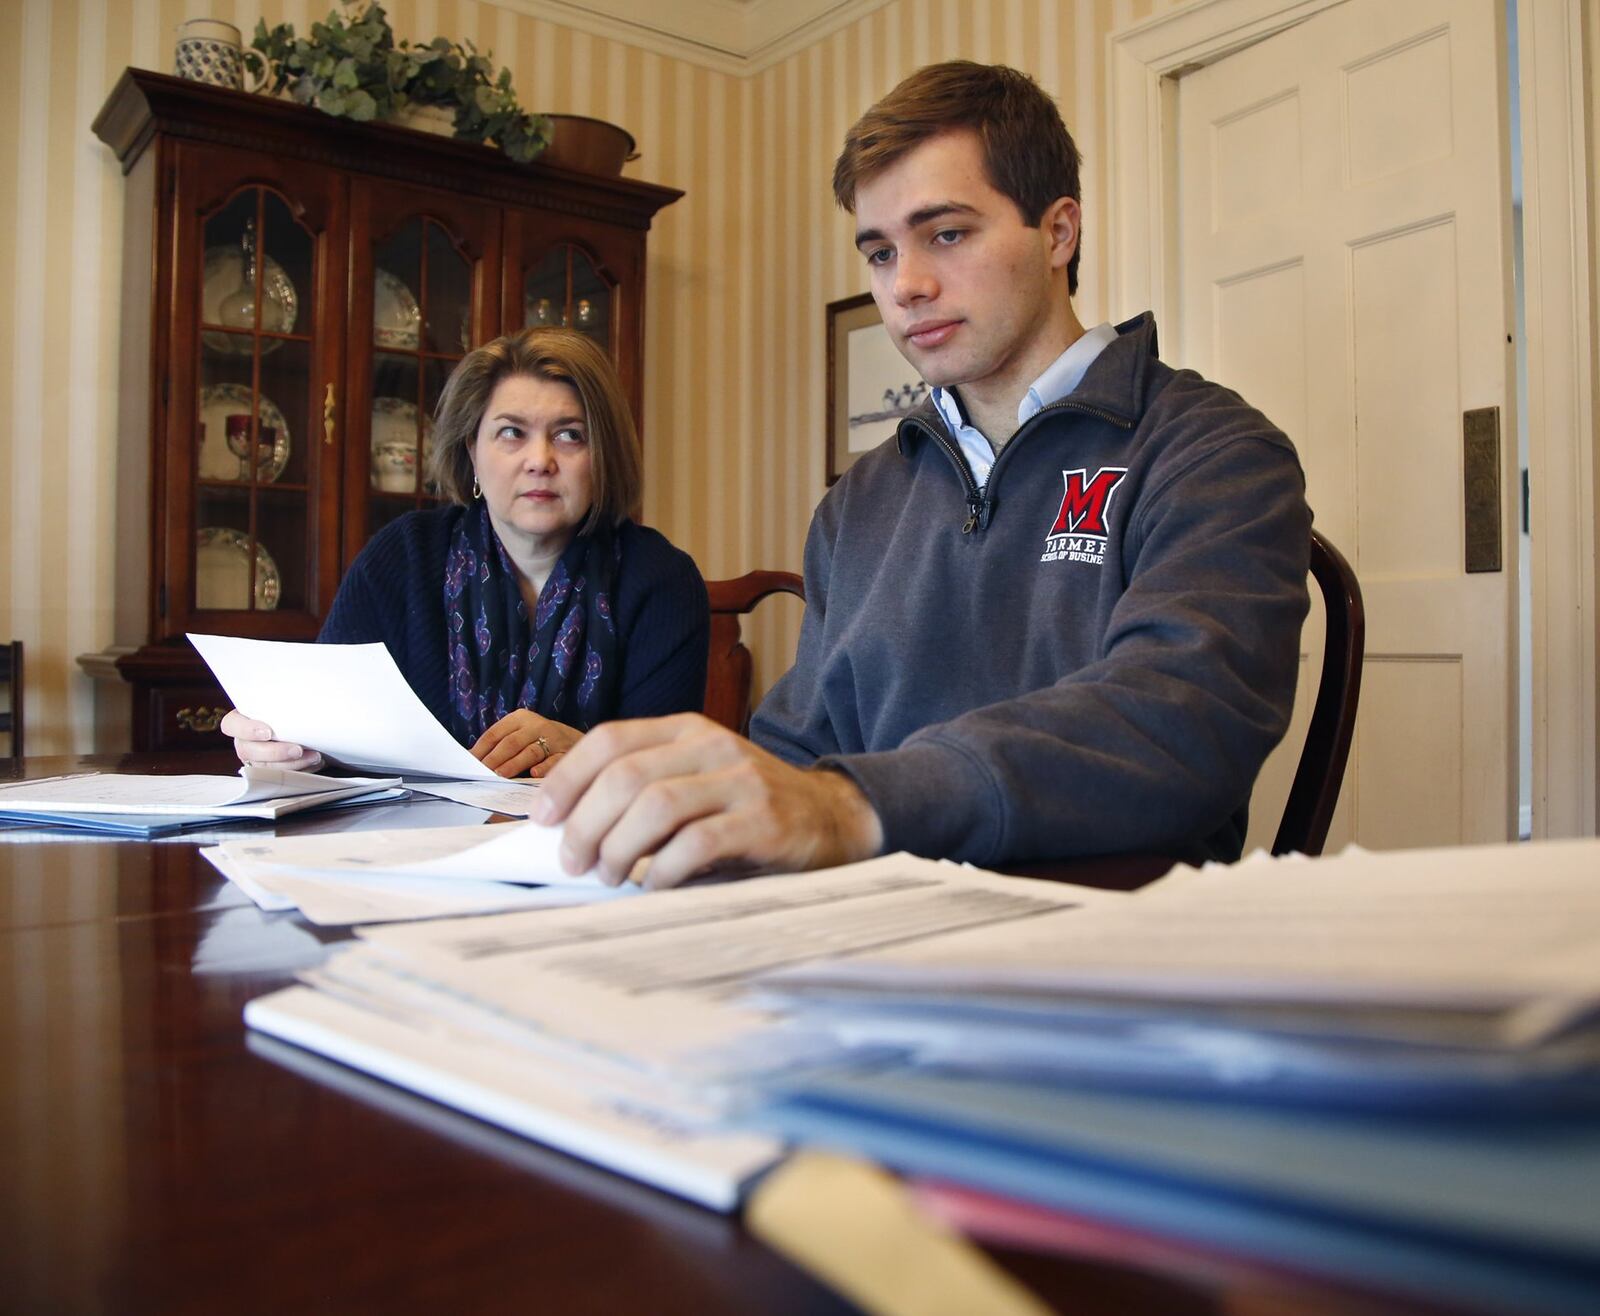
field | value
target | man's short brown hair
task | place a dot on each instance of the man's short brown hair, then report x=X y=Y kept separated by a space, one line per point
x=1027 y=151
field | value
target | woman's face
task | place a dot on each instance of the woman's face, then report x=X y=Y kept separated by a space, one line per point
x=532 y=460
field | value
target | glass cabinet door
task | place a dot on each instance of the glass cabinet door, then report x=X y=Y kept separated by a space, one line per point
x=588 y=276
x=567 y=288
x=420 y=272
x=422 y=318
x=256 y=417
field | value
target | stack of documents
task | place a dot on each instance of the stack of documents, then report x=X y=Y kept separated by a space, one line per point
x=615 y=1032
x=411 y=873
x=1416 y=979
x=1383 y=1069
x=135 y=805
x=1375 y=1068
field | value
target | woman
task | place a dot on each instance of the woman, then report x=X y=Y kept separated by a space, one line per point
x=532 y=606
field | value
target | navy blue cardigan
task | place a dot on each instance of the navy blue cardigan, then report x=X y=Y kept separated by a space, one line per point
x=394 y=592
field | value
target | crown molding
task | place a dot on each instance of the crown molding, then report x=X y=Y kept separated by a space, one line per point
x=737 y=37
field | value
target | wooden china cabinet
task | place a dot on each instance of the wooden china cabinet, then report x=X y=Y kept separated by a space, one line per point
x=296 y=290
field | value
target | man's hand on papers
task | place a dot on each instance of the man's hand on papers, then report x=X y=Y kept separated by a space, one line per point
x=697 y=797
x=523 y=742
x=253 y=743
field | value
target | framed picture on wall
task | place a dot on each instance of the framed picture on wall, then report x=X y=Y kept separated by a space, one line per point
x=870 y=385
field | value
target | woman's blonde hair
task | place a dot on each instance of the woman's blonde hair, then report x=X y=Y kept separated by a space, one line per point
x=565 y=356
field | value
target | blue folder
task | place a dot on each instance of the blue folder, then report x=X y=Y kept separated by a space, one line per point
x=1494 y=1215
x=138 y=825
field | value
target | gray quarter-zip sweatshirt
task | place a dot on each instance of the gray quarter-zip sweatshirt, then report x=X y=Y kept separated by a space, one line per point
x=1095 y=653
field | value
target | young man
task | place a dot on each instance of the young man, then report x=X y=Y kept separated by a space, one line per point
x=1059 y=615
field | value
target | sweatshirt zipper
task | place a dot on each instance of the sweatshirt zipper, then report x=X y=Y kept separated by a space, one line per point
x=980 y=507
x=977 y=504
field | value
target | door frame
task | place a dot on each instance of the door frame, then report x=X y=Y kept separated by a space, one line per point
x=1559 y=308
x=1144 y=62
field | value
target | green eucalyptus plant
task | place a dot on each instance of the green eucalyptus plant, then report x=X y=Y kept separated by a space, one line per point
x=354 y=68
x=345 y=68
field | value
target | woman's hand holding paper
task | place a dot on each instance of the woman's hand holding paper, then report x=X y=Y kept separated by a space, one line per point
x=254 y=743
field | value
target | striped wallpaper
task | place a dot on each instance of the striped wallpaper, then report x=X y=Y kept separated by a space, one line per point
x=740 y=271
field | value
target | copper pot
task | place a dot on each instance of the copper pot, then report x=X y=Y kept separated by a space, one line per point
x=590 y=146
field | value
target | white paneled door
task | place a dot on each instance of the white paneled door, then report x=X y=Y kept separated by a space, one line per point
x=1344 y=250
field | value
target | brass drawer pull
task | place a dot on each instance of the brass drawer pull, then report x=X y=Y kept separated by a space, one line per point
x=202 y=719
x=327 y=416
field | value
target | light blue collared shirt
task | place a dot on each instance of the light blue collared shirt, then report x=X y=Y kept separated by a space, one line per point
x=1060 y=377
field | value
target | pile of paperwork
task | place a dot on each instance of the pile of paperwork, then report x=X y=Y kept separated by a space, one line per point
x=614 y=1032
x=1376 y=1068
x=347 y=701
x=1414 y=978
x=137 y=805
x=411 y=873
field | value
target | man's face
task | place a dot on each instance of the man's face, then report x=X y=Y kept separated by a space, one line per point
x=963 y=285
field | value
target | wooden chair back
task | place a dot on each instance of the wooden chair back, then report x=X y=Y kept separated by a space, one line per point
x=730 y=671
x=1317 y=779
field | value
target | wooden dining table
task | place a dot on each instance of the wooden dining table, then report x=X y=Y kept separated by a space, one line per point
x=155 y=1156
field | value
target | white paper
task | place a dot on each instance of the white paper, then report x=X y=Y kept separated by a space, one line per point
x=1474 y=928
x=255 y=792
x=342 y=878
x=615 y=1032
x=515 y=798
x=340 y=901
x=348 y=701
x=537 y=1098
x=520 y=852
x=656 y=976
x=241 y=876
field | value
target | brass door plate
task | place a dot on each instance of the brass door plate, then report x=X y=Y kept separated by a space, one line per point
x=1480 y=465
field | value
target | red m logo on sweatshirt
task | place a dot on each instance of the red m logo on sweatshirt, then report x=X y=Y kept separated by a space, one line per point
x=1083 y=509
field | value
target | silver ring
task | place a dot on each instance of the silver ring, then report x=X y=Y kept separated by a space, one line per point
x=543 y=744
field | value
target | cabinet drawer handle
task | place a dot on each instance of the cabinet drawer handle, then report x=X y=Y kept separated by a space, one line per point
x=201 y=719
x=327 y=417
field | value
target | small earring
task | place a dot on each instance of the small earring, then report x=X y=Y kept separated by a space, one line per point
x=477 y=492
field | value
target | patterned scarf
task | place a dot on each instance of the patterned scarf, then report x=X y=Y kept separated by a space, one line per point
x=563 y=666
